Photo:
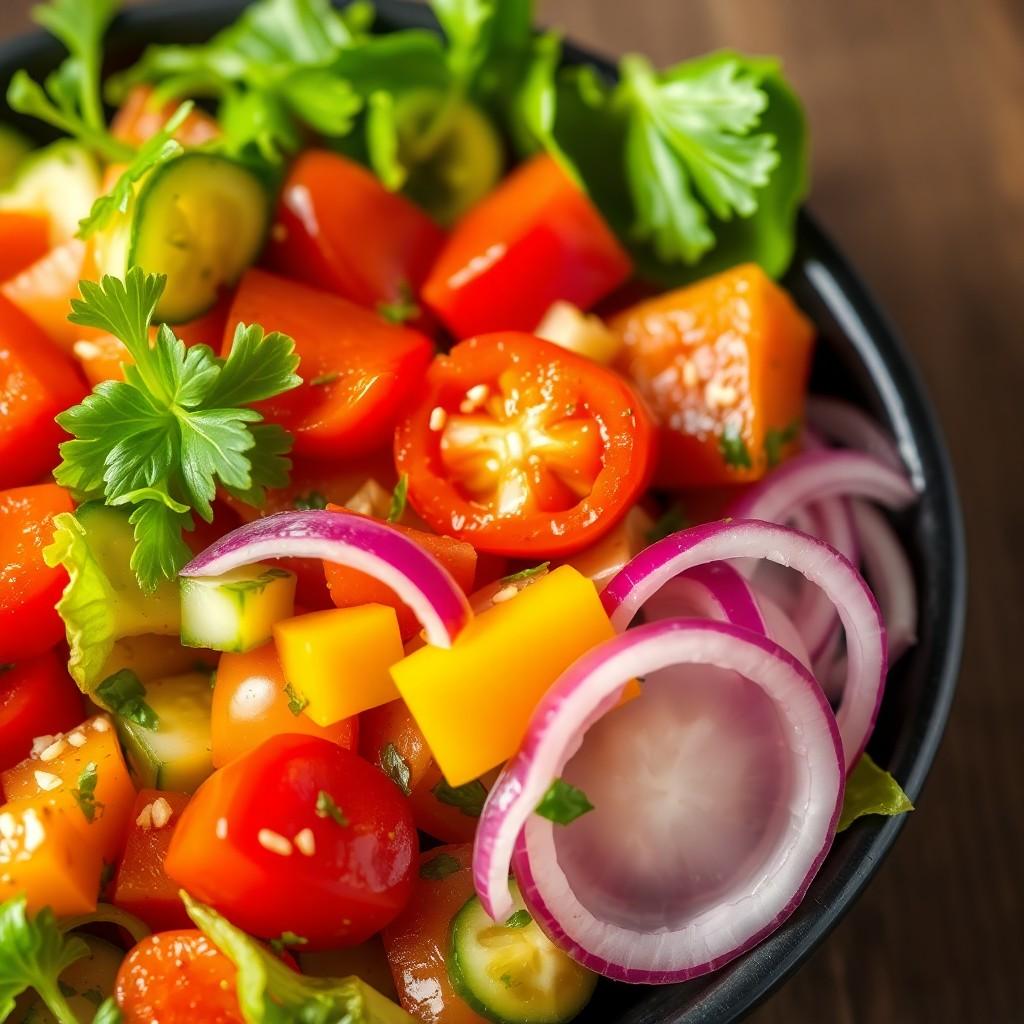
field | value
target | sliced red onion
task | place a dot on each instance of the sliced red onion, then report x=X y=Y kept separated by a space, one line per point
x=892 y=579
x=416 y=577
x=814 y=559
x=716 y=795
x=846 y=425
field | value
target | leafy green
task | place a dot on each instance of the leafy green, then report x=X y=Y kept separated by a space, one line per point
x=297 y=702
x=287 y=939
x=535 y=572
x=327 y=808
x=398 y=499
x=871 y=790
x=395 y=767
x=162 y=439
x=563 y=803
x=775 y=439
x=672 y=520
x=440 y=867
x=520 y=919
x=734 y=449
x=85 y=792
x=469 y=798
x=314 y=499
x=125 y=695
x=269 y=992
x=403 y=309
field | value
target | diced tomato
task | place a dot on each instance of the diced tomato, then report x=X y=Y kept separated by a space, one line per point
x=723 y=364
x=251 y=705
x=24 y=238
x=141 y=885
x=350 y=588
x=390 y=737
x=535 y=239
x=359 y=372
x=139 y=118
x=522 y=448
x=36 y=383
x=177 y=977
x=417 y=942
x=29 y=589
x=446 y=814
x=337 y=227
x=253 y=844
x=37 y=698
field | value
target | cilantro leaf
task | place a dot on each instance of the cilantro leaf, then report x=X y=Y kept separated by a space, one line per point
x=465 y=24
x=734 y=449
x=314 y=499
x=672 y=520
x=468 y=798
x=297 y=702
x=871 y=790
x=85 y=792
x=125 y=695
x=327 y=808
x=256 y=368
x=775 y=439
x=398 y=499
x=401 y=309
x=563 y=803
x=396 y=767
x=33 y=954
x=520 y=919
x=440 y=867
x=160 y=550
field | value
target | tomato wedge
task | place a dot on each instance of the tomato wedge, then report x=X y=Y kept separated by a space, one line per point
x=337 y=227
x=29 y=589
x=522 y=448
x=358 y=371
x=535 y=239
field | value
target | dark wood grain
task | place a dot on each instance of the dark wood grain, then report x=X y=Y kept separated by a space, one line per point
x=917 y=111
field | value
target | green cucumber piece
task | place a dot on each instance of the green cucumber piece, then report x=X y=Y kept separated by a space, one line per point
x=237 y=611
x=201 y=219
x=175 y=755
x=14 y=147
x=61 y=181
x=513 y=973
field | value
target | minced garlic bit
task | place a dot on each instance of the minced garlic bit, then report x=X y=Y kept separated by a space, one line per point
x=53 y=751
x=305 y=842
x=101 y=725
x=40 y=743
x=475 y=397
x=505 y=594
x=77 y=738
x=161 y=812
x=35 y=834
x=220 y=830
x=46 y=780
x=438 y=418
x=274 y=842
x=145 y=818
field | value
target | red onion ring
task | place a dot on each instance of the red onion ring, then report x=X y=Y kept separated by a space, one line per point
x=846 y=425
x=375 y=548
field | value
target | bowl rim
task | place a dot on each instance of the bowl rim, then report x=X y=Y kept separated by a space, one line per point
x=736 y=989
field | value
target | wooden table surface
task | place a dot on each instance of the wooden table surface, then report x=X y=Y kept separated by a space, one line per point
x=917 y=112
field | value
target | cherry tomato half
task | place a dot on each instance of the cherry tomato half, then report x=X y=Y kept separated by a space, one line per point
x=254 y=845
x=522 y=448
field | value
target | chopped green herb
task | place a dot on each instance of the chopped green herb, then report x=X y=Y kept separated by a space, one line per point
x=85 y=792
x=124 y=694
x=398 y=499
x=287 y=939
x=93 y=995
x=672 y=520
x=506 y=980
x=734 y=449
x=396 y=768
x=871 y=790
x=403 y=308
x=525 y=575
x=775 y=440
x=468 y=798
x=323 y=380
x=439 y=867
x=327 y=808
x=520 y=919
x=312 y=500
x=563 y=803
x=297 y=702
x=66 y=990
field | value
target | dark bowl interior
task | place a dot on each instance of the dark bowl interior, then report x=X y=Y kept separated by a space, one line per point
x=859 y=358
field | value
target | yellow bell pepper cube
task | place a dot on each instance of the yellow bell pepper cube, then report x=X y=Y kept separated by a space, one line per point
x=339 y=660
x=473 y=701
x=59 y=773
x=42 y=855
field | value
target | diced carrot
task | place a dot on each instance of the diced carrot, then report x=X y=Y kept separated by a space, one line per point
x=24 y=238
x=139 y=118
x=723 y=364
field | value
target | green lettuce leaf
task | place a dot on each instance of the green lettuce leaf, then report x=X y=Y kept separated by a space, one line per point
x=871 y=790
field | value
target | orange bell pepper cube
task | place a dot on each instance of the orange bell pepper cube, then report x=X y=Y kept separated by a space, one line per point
x=82 y=774
x=24 y=238
x=474 y=700
x=723 y=365
x=141 y=885
x=338 y=660
x=42 y=855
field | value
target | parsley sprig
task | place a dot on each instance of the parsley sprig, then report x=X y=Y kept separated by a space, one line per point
x=178 y=425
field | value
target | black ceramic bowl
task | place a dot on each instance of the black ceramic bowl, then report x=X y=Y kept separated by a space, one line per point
x=859 y=358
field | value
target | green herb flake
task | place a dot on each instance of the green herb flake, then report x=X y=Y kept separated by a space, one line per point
x=563 y=803
x=92 y=995
x=327 y=808
x=440 y=867
x=398 y=499
x=396 y=768
x=403 y=308
x=323 y=380
x=672 y=520
x=286 y=940
x=297 y=702
x=85 y=792
x=468 y=798
x=124 y=694
x=734 y=449
x=520 y=919
x=526 y=575
x=312 y=500
x=871 y=790
x=506 y=980
x=776 y=439
x=66 y=990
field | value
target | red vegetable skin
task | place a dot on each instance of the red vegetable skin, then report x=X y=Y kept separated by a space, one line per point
x=37 y=698
x=29 y=589
x=36 y=382
x=177 y=977
x=252 y=845
x=24 y=238
x=141 y=885
x=338 y=228
x=358 y=370
x=139 y=118
x=536 y=239
x=522 y=448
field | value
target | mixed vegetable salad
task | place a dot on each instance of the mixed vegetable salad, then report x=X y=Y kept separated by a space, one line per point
x=425 y=583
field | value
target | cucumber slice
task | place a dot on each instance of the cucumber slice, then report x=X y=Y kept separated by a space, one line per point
x=14 y=147
x=513 y=973
x=62 y=181
x=200 y=219
x=237 y=611
x=175 y=755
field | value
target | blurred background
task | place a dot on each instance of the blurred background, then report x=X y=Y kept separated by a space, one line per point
x=917 y=119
